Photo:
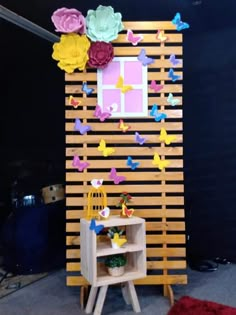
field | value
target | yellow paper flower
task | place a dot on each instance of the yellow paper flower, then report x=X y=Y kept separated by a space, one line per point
x=71 y=52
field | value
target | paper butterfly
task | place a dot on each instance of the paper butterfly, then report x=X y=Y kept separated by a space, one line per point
x=161 y=164
x=96 y=183
x=100 y=114
x=116 y=179
x=173 y=76
x=133 y=39
x=126 y=211
x=173 y=101
x=179 y=24
x=139 y=139
x=79 y=127
x=164 y=137
x=144 y=59
x=161 y=36
x=123 y=127
x=78 y=164
x=118 y=241
x=86 y=89
x=96 y=228
x=105 y=151
x=155 y=87
x=73 y=102
x=132 y=164
x=120 y=85
x=173 y=60
x=157 y=116
x=104 y=213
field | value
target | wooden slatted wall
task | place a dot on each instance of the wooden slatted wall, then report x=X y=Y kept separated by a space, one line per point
x=157 y=195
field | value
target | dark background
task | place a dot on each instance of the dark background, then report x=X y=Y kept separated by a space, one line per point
x=32 y=108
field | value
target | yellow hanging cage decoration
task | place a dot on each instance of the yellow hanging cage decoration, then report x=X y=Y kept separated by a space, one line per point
x=97 y=201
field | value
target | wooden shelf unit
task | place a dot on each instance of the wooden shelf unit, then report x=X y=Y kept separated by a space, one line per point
x=93 y=250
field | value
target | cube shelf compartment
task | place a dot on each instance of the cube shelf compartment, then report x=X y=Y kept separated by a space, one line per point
x=94 y=248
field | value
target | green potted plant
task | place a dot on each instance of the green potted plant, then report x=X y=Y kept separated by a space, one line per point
x=116 y=264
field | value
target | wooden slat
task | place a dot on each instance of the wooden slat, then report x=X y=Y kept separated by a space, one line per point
x=150 y=226
x=155 y=213
x=162 y=279
x=92 y=101
x=73 y=189
x=168 y=88
x=149 y=25
x=151 y=38
x=92 y=76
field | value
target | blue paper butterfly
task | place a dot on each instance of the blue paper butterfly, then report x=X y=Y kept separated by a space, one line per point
x=156 y=115
x=172 y=76
x=86 y=89
x=96 y=228
x=179 y=24
x=132 y=164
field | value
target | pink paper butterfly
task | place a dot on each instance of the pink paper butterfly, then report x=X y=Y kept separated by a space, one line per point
x=116 y=179
x=78 y=164
x=100 y=114
x=134 y=40
x=155 y=87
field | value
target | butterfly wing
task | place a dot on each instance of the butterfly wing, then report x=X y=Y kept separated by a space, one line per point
x=96 y=228
x=161 y=36
x=120 y=82
x=129 y=212
x=144 y=59
x=104 y=116
x=75 y=161
x=116 y=179
x=163 y=164
x=182 y=26
x=108 y=151
x=86 y=89
x=122 y=126
x=101 y=115
x=173 y=76
x=156 y=159
x=156 y=87
x=139 y=139
x=102 y=145
x=176 y=19
x=153 y=110
x=132 y=164
x=79 y=127
x=133 y=39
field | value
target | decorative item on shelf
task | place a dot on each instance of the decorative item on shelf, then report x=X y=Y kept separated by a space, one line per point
x=114 y=234
x=125 y=212
x=84 y=43
x=125 y=197
x=116 y=264
x=97 y=201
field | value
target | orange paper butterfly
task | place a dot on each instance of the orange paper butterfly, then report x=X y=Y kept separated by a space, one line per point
x=123 y=127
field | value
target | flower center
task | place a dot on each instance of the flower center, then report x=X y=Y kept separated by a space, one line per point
x=100 y=55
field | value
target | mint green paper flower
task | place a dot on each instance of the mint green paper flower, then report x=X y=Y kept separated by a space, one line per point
x=103 y=24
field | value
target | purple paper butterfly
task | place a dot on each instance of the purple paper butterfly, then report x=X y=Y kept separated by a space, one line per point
x=116 y=179
x=79 y=127
x=154 y=113
x=100 y=114
x=139 y=139
x=144 y=59
x=173 y=60
x=78 y=164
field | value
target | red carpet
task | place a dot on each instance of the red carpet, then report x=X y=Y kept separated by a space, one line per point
x=191 y=306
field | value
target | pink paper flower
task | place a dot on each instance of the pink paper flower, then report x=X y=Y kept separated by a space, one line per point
x=100 y=54
x=69 y=21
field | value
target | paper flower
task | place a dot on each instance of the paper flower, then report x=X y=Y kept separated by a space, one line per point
x=69 y=21
x=100 y=54
x=103 y=24
x=71 y=52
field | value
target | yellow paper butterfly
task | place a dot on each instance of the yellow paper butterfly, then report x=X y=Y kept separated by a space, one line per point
x=120 y=85
x=161 y=36
x=161 y=164
x=164 y=137
x=102 y=148
x=123 y=127
x=118 y=241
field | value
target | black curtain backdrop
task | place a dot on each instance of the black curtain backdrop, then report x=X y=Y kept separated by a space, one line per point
x=32 y=100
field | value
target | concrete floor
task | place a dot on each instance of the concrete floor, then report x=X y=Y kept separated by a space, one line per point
x=50 y=296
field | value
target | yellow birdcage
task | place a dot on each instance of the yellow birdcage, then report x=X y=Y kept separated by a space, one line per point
x=97 y=201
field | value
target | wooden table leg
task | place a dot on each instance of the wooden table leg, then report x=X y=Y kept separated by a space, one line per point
x=91 y=300
x=100 y=300
x=125 y=293
x=133 y=296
